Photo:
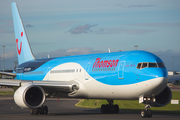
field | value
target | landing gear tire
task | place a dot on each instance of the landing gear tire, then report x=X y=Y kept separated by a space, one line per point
x=109 y=109
x=103 y=108
x=34 y=111
x=116 y=108
x=31 y=111
x=146 y=113
x=143 y=114
x=45 y=108
x=41 y=110
x=149 y=113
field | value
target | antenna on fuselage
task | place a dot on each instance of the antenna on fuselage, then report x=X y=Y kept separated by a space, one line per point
x=48 y=56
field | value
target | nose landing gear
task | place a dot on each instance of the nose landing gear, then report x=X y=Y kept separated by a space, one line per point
x=147 y=112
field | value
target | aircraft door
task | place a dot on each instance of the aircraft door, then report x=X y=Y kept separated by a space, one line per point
x=20 y=76
x=87 y=71
x=121 y=70
x=48 y=72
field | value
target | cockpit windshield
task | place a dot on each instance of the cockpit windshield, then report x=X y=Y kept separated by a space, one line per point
x=150 y=65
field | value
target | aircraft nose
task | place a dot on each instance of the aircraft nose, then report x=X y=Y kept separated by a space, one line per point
x=162 y=72
x=163 y=76
x=160 y=82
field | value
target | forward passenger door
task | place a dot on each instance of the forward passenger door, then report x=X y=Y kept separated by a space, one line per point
x=121 y=70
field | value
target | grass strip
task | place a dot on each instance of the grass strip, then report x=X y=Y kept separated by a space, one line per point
x=4 y=93
x=133 y=105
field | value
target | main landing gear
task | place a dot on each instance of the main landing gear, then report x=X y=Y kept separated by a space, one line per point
x=40 y=110
x=147 y=112
x=109 y=108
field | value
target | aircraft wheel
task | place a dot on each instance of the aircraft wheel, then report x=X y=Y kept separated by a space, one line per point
x=108 y=108
x=41 y=110
x=34 y=111
x=143 y=114
x=31 y=111
x=103 y=108
x=149 y=113
x=116 y=109
x=45 y=108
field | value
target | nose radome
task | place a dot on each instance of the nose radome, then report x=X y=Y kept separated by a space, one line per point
x=163 y=73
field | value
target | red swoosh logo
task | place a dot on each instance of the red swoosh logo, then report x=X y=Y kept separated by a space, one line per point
x=19 y=51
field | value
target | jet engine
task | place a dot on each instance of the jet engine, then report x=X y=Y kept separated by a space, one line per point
x=29 y=96
x=161 y=99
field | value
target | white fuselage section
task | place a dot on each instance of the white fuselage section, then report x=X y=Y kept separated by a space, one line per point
x=93 y=89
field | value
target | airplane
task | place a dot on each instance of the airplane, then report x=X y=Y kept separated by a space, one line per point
x=125 y=75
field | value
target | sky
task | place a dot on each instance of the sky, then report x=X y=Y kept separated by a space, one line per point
x=75 y=27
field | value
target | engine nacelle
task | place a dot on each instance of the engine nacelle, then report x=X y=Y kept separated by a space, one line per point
x=161 y=99
x=29 y=96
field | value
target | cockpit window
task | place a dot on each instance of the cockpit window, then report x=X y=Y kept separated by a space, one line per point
x=153 y=65
x=139 y=65
x=150 y=65
x=144 y=65
x=161 y=65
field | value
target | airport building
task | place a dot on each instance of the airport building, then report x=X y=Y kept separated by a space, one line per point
x=177 y=82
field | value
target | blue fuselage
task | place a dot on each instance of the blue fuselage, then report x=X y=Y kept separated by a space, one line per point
x=118 y=68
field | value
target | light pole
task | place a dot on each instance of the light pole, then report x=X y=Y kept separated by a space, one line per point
x=0 y=63
x=3 y=57
x=172 y=63
x=136 y=46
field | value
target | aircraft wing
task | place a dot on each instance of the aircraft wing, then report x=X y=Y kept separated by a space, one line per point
x=7 y=79
x=10 y=82
x=7 y=75
x=61 y=86
x=174 y=77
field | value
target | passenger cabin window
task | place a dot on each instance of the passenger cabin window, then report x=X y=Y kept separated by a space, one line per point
x=150 y=65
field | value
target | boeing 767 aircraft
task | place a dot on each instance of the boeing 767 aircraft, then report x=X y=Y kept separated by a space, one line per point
x=128 y=75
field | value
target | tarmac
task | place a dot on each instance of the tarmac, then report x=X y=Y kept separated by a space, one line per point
x=175 y=88
x=65 y=109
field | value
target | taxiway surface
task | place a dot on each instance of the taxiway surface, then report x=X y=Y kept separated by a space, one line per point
x=66 y=110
